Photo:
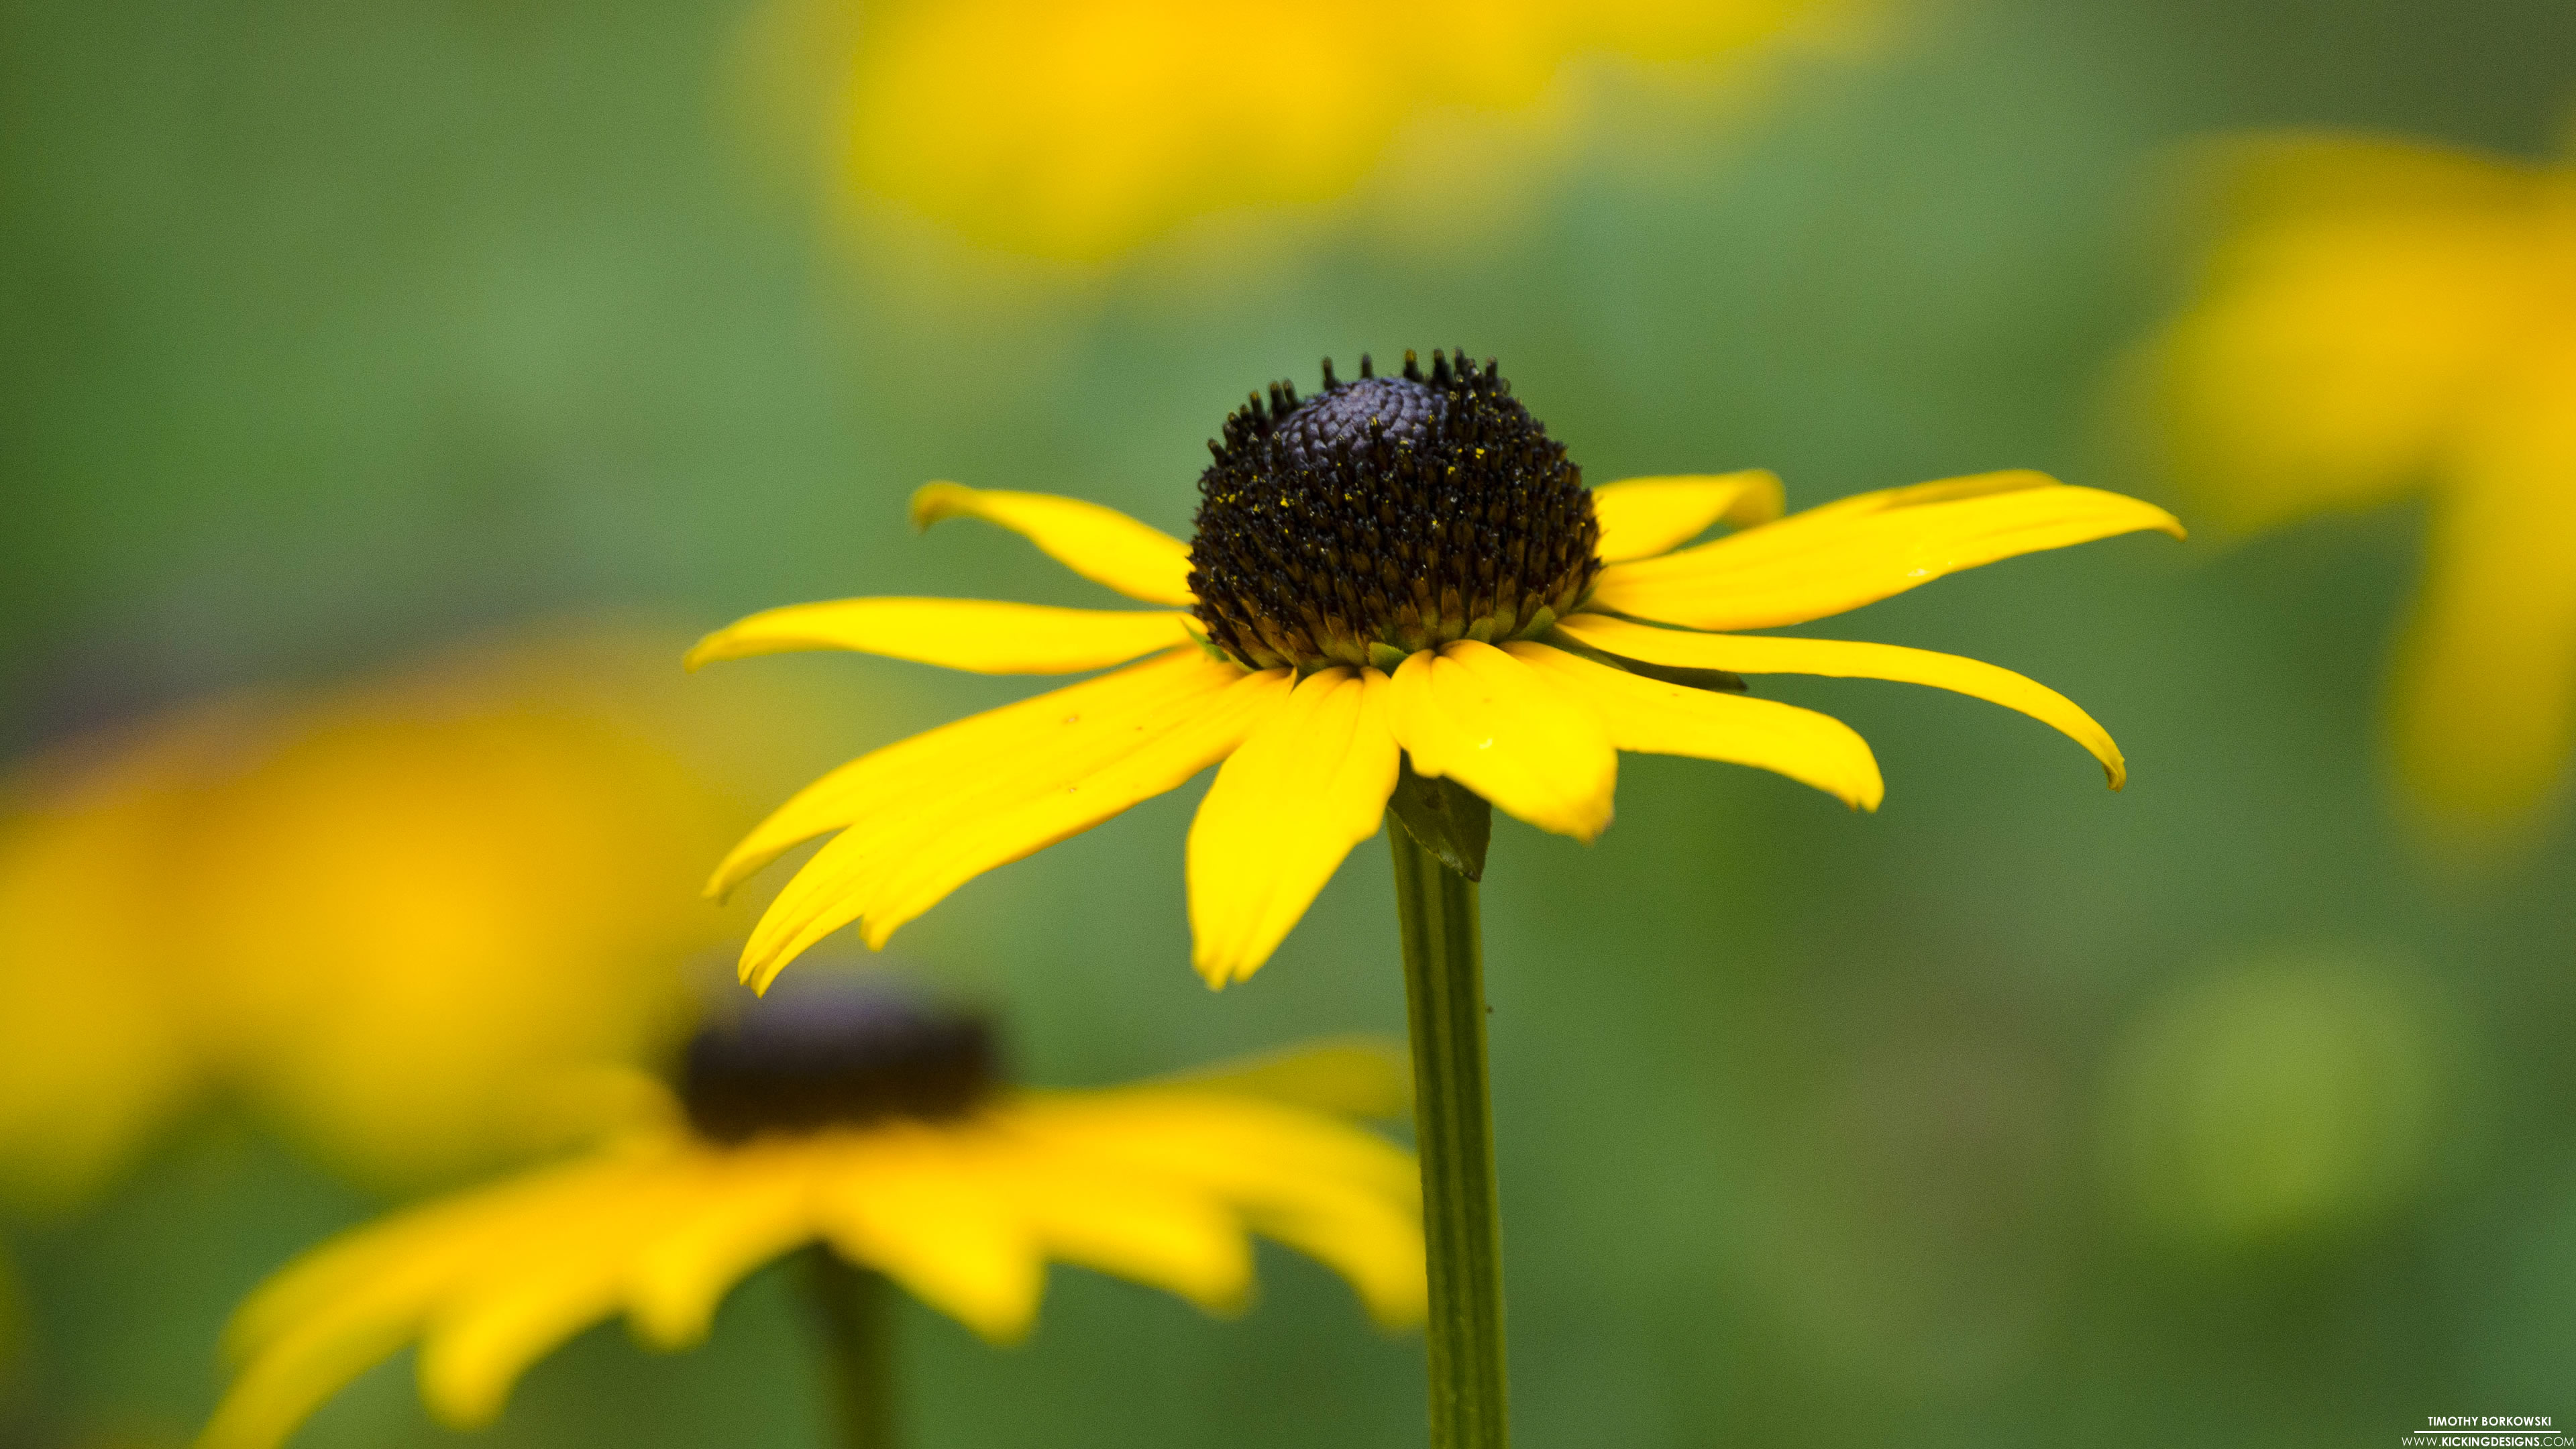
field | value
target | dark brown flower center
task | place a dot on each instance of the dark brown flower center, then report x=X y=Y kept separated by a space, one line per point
x=1387 y=515
x=834 y=1053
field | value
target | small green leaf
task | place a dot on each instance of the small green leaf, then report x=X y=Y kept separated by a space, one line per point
x=1444 y=817
x=1386 y=656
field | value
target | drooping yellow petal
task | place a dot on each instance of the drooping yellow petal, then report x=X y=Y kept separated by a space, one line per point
x=928 y=766
x=1101 y=544
x=1481 y=717
x=1641 y=517
x=975 y=634
x=1069 y=774
x=1656 y=718
x=1307 y=785
x=1839 y=557
x=1755 y=654
x=924 y=1207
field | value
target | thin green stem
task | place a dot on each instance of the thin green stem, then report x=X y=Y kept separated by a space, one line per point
x=1444 y=989
x=854 y=1306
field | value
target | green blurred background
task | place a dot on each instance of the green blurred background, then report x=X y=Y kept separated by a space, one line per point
x=2218 y=1112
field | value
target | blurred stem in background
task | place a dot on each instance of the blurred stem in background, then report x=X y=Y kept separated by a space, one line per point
x=856 y=1312
x=1444 y=992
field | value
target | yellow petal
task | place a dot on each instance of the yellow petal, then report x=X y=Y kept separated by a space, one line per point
x=1917 y=495
x=976 y=634
x=1477 y=715
x=1847 y=554
x=1372 y=1242
x=329 y=1317
x=1101 y=544
x=549 y=1281
x=1221 y=1138
x=417 y=1246
x=281 y=1387
x=929 y=766
x=1343 y=1196
x=1656 y=718
x=1340 y=1195
x=1064 y=776
x=924 y=1207
x=1641 y=517
x=1138 y=1226
x=1752 y=654
x=1358 y=1076
x=1306 y=786
x=679 y=1276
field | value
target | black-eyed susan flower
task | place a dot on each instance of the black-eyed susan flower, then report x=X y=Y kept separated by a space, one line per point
x=1401 y=600
x=1017 y=123
x=856 y=1119
x=1396 y=569
x=377 y=912
x=2379 y=317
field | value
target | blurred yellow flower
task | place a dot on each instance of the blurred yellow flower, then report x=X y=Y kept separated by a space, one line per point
x=2379 y=317
x=385 y=914
x=1396 y=569
x=875 y=1129
x=1077 y=129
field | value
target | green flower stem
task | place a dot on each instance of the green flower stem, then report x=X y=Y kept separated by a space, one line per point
x=855 y=1308
x=1444 y=989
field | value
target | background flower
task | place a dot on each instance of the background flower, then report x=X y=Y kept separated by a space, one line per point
x=934 y=1177
x=1078 y=131
x=2381 y=317
x=393 y=915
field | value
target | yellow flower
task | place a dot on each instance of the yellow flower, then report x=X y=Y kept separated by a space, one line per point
x=1078 y=129
x=381 y=913
x=872 y=1127
x=2379 y=317
x=1398 y=566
